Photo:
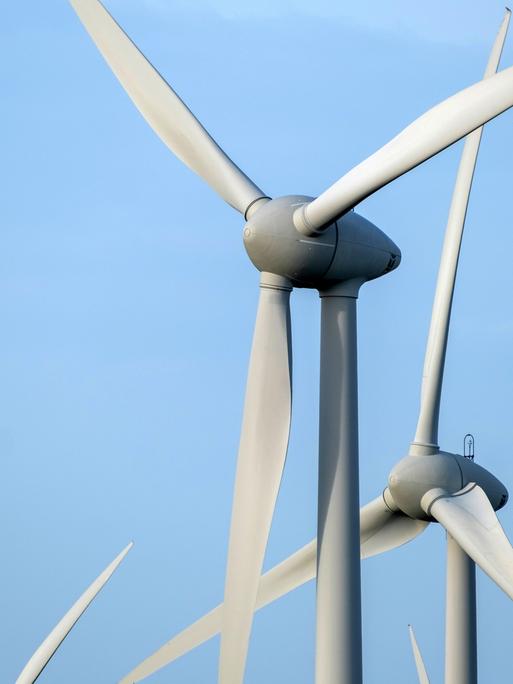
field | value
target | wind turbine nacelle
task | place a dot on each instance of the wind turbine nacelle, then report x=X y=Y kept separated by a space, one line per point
x=414 y=476
x=351 y=247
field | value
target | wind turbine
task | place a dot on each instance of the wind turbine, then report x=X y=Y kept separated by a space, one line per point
x=298 y=241
x=460 y=627
x=446 y=489
x=40 y=658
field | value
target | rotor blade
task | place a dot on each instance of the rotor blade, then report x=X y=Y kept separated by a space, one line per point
x=293 y=572
x=262 y=453
x=169 y=117
x=42 y=655
x=427 y=427
x=470 y=519
x=426 y=136
x=419 y=663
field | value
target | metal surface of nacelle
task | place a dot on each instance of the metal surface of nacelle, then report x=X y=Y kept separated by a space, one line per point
x=351 y=247
x=414 y=476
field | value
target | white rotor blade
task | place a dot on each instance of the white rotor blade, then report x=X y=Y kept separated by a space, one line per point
x=262 y=453
x=419 y=662
x=426 y=136
x=296 y=570
x=427 y=426
x=169 y=117
x=42 y=655
x=470 y=519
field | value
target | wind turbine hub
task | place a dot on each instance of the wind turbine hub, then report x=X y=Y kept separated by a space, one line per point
x=351 y=247
x=414 y=476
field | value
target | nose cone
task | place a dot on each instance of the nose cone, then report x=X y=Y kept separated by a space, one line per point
x=274 y=245
x=413 y=476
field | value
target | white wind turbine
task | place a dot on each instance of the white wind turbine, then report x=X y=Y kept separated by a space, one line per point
x=42 y=655
x=460 y=621
x=303 y=242
x=446 y=490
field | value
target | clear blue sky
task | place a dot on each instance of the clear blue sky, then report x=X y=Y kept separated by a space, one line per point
x=127 y=306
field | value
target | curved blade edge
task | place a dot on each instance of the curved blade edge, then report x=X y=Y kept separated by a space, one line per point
x=46 y=650
x=419 y=662
x=164 y=111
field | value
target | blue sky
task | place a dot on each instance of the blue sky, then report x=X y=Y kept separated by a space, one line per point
x=128 y=305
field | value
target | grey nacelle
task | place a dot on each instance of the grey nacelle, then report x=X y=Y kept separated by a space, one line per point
x=414 y=476
x=352 y=247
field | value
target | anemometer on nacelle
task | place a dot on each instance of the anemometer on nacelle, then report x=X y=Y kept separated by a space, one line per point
x=468 y=446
